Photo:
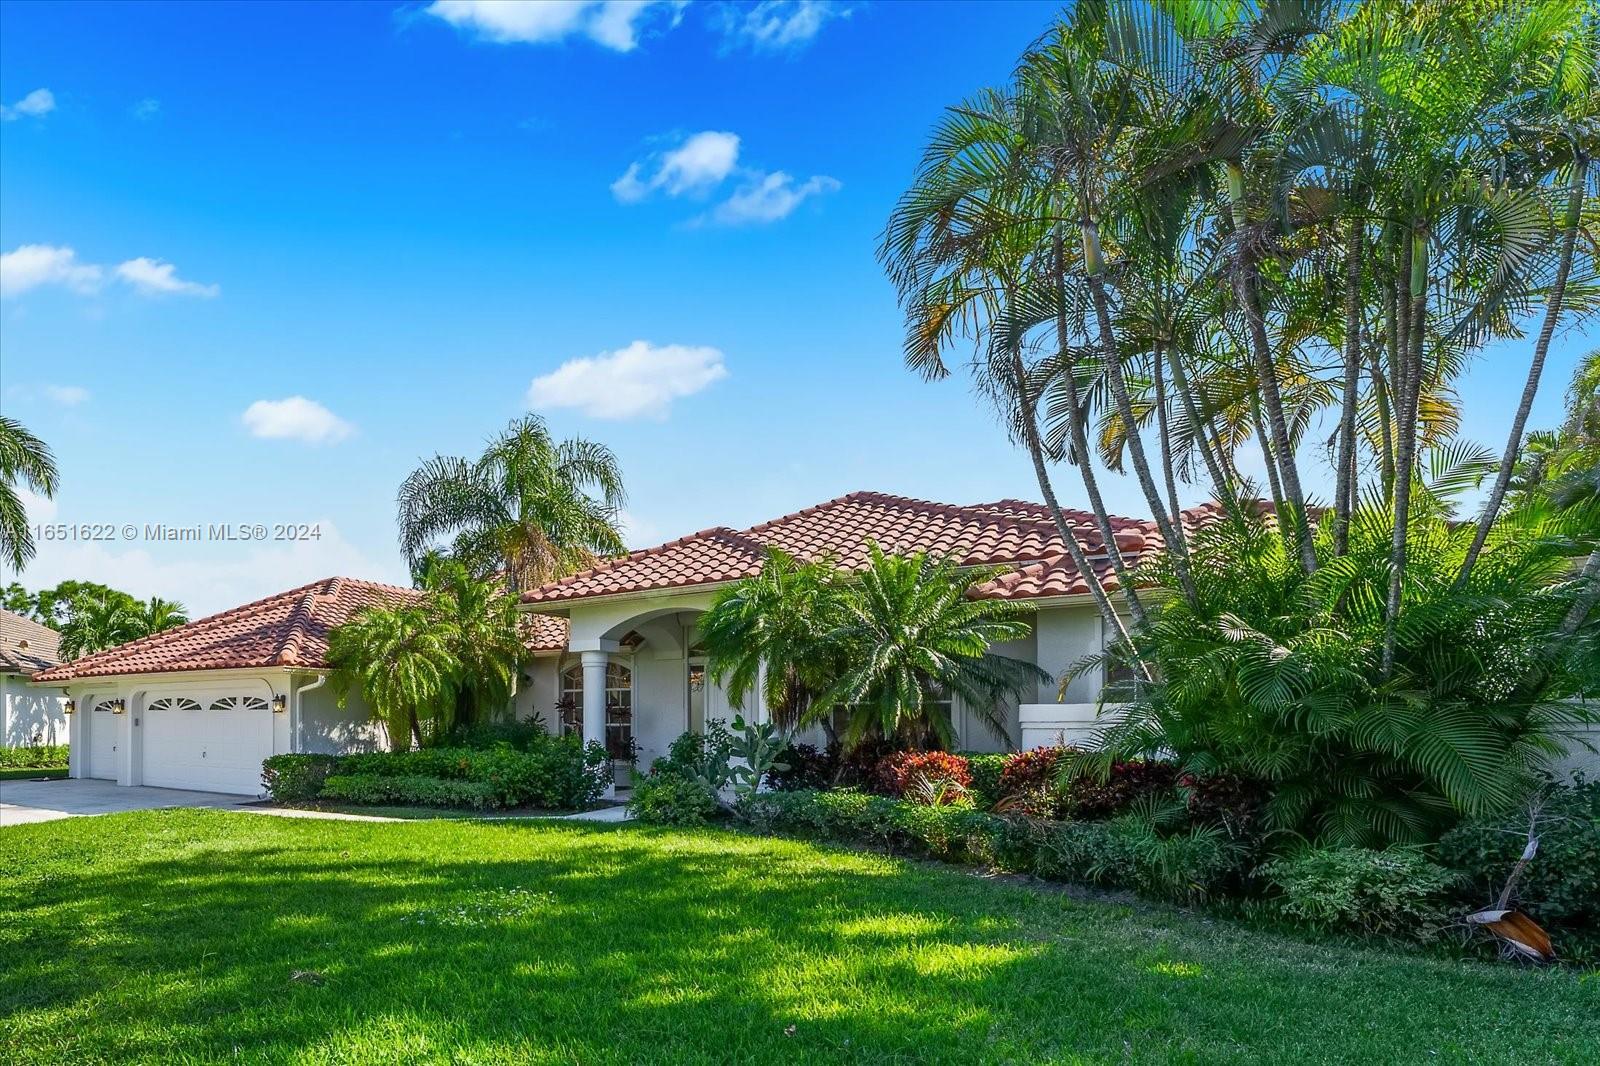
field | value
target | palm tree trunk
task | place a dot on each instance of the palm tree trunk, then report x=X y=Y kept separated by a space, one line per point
x=1080 y=445
x=1106 y=340
x=1028 y=420
x=1384 y=405
x=1405 y=450
x=1266 y=373
x=1552 y=311
x=1352 y=380
x=1273 y=484
x=1220 y=481
x=1163 y=436
x=1586 y=599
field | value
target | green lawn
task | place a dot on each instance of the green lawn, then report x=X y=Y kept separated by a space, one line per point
x=208 y=935
x=24 y=774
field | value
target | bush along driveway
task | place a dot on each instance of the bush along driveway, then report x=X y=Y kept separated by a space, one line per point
x=198 y=935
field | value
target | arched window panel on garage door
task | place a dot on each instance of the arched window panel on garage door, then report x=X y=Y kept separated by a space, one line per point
x=174 y=703
x=238 y=703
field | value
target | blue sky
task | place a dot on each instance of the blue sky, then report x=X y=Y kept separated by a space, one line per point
x=407 y=214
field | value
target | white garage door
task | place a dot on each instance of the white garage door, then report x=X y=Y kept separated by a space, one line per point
x=211 y=743
x=102 y=725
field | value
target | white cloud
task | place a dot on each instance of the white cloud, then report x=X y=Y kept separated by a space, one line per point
x=697 y=165
x=637 y=532
x=640 y=380
x=614 y=24
x=33 y=265
x=295 y=418
x=40 y=509
x=146 y=109
x=153 y=277
x=776 y=25
x=67 y=395
x=768 y=198
x=37 y=103
x=207 y=583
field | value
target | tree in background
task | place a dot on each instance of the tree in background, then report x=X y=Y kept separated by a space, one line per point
x=25 y=460
x=530 y=508
x=95 y=617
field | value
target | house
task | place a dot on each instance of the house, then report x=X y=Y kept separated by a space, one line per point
x=28 y=716
x=633 y=677
x=201 y=705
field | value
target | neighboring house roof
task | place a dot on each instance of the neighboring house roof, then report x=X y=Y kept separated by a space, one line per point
x=26 y=646
x=1011 y=533
x=289 y=629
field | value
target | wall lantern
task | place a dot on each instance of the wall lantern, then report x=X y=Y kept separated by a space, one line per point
x=279 y=704
x=71 y=706
x=118 y=707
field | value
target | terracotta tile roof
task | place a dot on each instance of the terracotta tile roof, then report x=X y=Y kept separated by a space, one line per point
x=544 y=632
x=1013 y=533
x=26 y=646
x=289 y=629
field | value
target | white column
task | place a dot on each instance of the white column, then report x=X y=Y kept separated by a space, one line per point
x=594 y=704
x=128 y=768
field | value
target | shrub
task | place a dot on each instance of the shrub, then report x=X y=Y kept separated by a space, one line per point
x=296 y=778
x=521 y=734
x=986 y=768
x=1088 y=797
x=36 y=757
x=1396 y=892
x=408 y=789
x=1561 y=886
x=808 y=767
x=900 y=773
x=1230 y=802
x=671 y=797
x=1025 y=770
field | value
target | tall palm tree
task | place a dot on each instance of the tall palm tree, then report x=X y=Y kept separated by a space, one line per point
x=157 y=614
x=530 y=507
x=100 y=620
x=403 y=662
x=23 y=458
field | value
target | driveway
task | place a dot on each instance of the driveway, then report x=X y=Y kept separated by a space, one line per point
x=22 y=802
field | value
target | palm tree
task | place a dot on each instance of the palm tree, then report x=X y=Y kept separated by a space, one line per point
x=484 y=623
x=911 y=638
x=157 y=614
x=530 y=507
x=100 y=620
x=25 y=458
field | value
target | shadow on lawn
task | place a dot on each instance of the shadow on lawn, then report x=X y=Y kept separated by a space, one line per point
x=597 y=943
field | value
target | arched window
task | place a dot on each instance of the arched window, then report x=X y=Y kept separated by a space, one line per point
x=619 y=706
x=174 y=703
x=239 y=703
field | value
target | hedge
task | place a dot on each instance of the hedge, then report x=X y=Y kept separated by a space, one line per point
x=38 y=757
x=556 y=773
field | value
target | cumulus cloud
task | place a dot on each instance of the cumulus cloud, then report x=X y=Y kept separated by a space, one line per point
x=295 y=418
x=614 y=24
x=640 y=380
x=146 y=109
x=697 y=165
x=67 y=395
x=30 y=266
x=769 y=198
x=154 y=277
x=778 y=25
x=35 y=104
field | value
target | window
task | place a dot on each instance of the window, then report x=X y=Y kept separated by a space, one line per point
x=619 y=706
x=174 y=703
x=239 y=703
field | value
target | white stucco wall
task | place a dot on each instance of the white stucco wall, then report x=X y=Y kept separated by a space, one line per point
x=325 y=728
x=30 y=715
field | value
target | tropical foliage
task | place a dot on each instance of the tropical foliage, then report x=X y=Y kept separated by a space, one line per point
x=887 y=647
x=1187 y=239
x=448 y=656
x=530 y=508
x=24 y=460
x=97 y=617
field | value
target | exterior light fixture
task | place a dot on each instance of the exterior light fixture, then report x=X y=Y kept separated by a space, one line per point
x=118 y=707
x=71 y=706
x=279 y=704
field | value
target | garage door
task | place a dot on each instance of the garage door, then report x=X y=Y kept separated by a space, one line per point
x=102 y=725
x=212 y=743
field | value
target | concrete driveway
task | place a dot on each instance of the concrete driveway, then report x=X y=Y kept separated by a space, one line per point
x=22 y=802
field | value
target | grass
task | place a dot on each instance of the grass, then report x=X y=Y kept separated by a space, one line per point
x=202 y=935
x=23 y=773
